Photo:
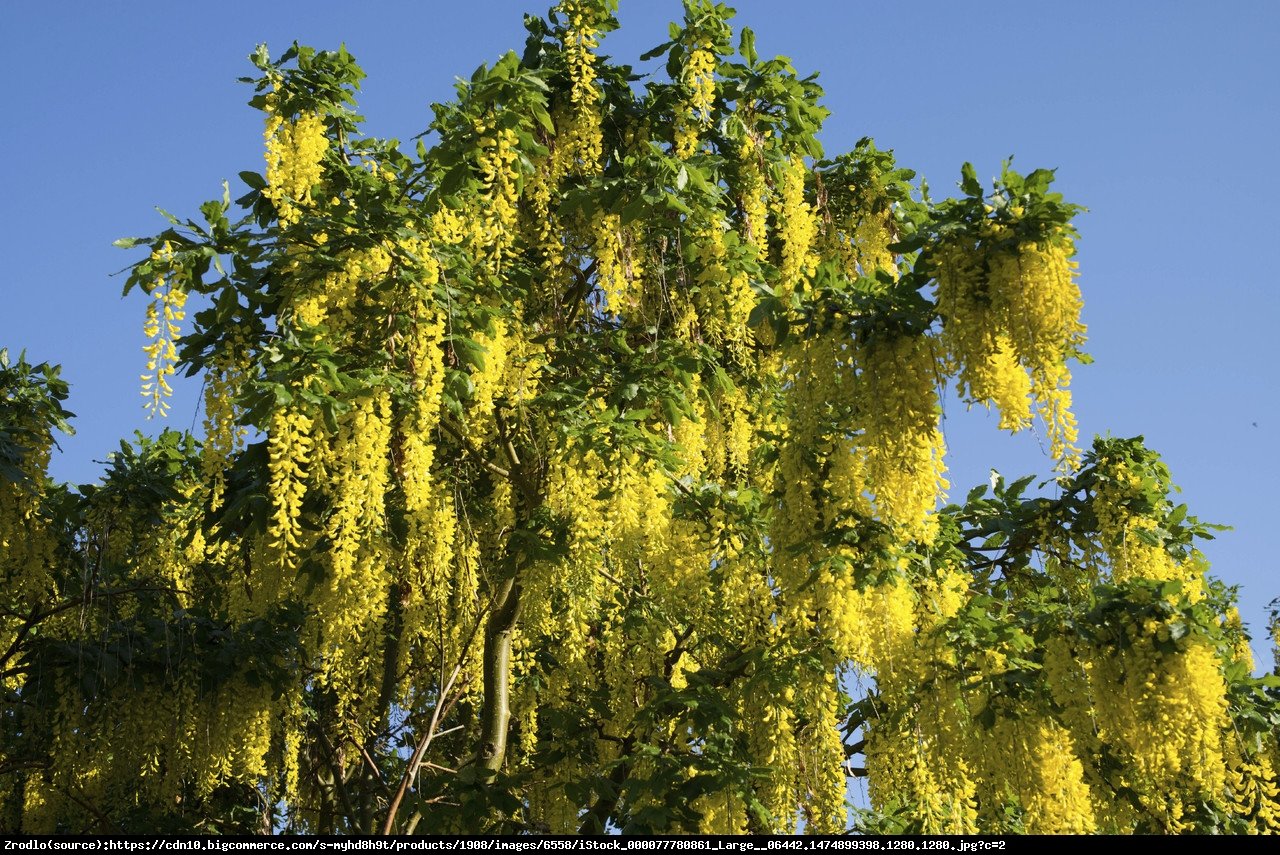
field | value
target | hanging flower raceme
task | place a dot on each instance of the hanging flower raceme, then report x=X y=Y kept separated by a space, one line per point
x=1129 y=537
x=224 y=435
x=578 y=143
x=499 y=176
x=1035 y=291
x=698 y=93
x=1011 y=322
x=350 y=606
x=753 y=192
x=797 y=227
x=289 y=443
x=898 y=412
x=615 y=274
x=873 y=234
x=295 y=151
x=165 y=313
x=1184 y=691
x=26 y=541
x=978 y=348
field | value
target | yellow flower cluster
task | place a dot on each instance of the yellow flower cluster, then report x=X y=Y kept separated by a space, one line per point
x=698 y=85
x=797 y=227
x=1166 y=713
x=500 y=177
x=295 y=161
x=978 y=349
x=164 y=314
x=813 y=378
x=615 y=274
x=1242 y=652
x=578 y=145
x=728 y=435
x=225 y=375
x=872 y=236
x=158 y=741
x=924 y=768
x=874 y=628
x=489 y=380
x=1119 y=530
x=541 y=224
x=722 y=813
x=753 y=195
x=725 y=298
x=859 y=238
x=26 y=546
x=332 y=298
x=581 y=40
x=1254 y=793
x=1036 y=290
x=898 y=399
x=289 y=445
x=350 y=607
x=438 y=588
x=1035 y=759
x=1011 y=320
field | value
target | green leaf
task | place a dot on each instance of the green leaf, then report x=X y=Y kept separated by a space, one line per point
x=254 y=180
x=747 y=46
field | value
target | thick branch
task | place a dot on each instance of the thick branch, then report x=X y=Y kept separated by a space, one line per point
x=504 y=611
x=495 y=717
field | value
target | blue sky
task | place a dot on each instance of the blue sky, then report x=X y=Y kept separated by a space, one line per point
x=1161 y=118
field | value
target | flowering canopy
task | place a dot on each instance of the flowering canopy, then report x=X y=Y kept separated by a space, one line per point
x=582 y=471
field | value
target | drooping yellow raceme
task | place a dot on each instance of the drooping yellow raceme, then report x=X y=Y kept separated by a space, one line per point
x=858 y=238
x=1254 y=793
x=1121 y=532
x=295 y=151
x=289 y=443
x=1036 y=292
x=579 y=143
x=615 y=273
x=726 y=298
x=1180 y=759
x=500 y=176
x=904 y=448
x=977 y=347
x=872 y=235
x=797 y=227
x=581 y=40
x=1011 y=321
x=350 y=606
x=165 y=313
x=753 y=192
x=698 y=92
x=925 y=767
x=1033 y=758
x=223 y=435
x=333 y=297
x=26 y=540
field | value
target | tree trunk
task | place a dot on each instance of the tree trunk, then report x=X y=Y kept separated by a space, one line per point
x=495 y=716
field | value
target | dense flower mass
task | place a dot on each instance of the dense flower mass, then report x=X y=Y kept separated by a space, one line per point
x=584 y=471
x=295 y=155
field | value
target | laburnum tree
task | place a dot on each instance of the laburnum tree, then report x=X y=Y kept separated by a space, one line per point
x=582 y=470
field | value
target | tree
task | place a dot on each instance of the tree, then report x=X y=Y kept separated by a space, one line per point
x=581 y=471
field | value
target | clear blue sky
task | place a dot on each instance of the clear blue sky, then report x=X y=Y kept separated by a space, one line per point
x=1161 y=118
